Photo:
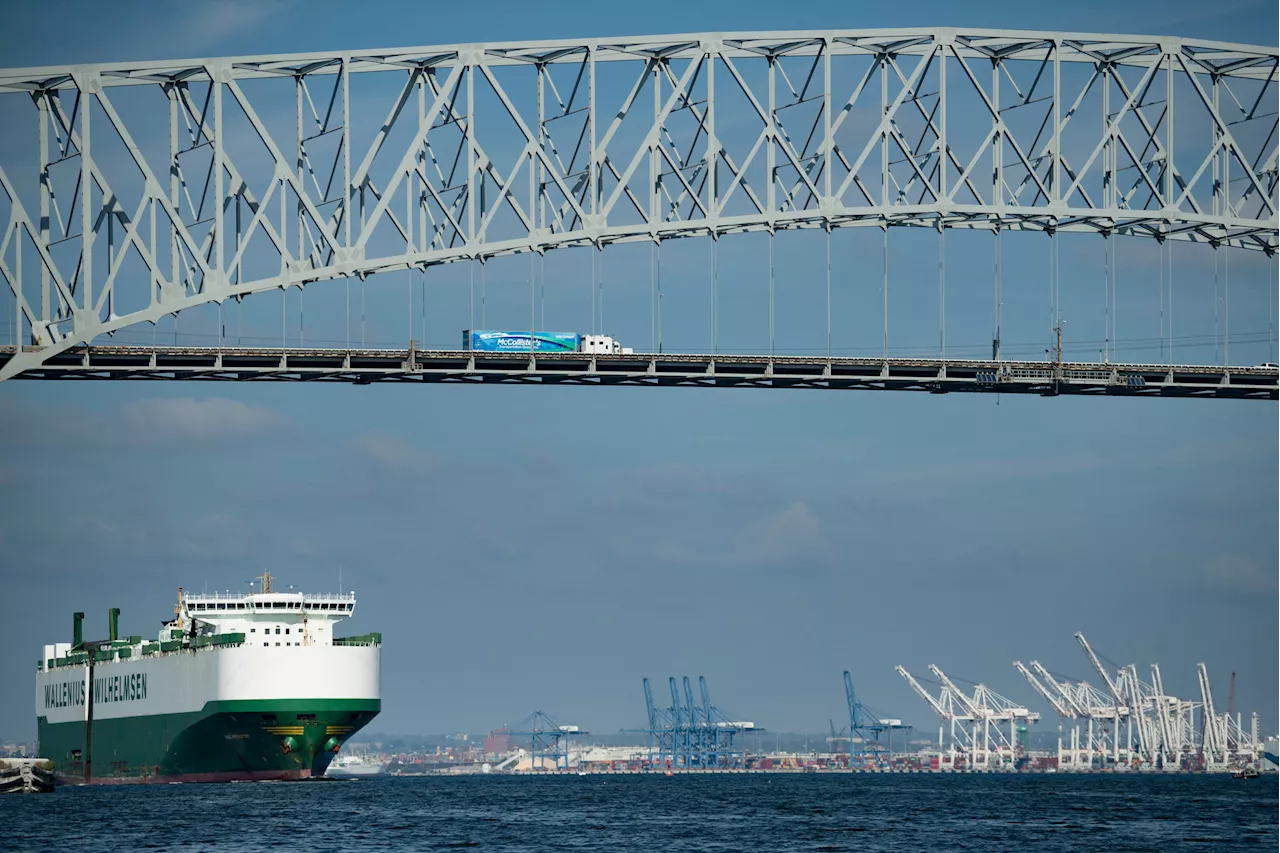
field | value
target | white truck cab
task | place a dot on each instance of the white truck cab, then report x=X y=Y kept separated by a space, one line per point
x=603 y=344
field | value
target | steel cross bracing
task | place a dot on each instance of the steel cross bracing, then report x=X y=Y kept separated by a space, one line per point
x=147 y=188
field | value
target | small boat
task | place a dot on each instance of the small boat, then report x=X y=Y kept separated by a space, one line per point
x=1244 y=773
x=354 y=765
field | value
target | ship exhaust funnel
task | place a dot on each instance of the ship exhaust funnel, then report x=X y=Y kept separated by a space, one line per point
x=113 y=624
x=77 y=630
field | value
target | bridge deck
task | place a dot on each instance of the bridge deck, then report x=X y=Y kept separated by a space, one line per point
x=937 y=375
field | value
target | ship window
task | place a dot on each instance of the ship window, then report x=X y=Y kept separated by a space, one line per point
x=253 y=630
x=277 y=644
x=266 y=644
x=286 y=630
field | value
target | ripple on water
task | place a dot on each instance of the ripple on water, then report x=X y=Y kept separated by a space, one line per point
x=784 y=813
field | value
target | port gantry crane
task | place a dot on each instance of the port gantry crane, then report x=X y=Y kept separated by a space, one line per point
x=1165 y=726
x=863 y=723
x=1175 y=724
x=1068 y=759
x=689 y=735
x=950 y=710
x=975 y=721
x=1214 y=744
x=994 y=709
x=1129 y=723
x=549 y=741
x=1121 y=706
x=979 y=739
x=1162 y=723
x=1088 y=703
x=1225 y=742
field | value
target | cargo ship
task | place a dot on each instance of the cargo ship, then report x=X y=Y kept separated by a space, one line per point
x=235 y=687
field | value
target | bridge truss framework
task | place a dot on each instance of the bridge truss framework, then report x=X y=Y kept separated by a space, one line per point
x=153 y=187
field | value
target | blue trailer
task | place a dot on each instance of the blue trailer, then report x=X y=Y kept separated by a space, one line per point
x=521 y=341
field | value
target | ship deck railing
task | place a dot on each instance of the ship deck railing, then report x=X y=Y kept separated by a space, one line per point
x=243 y=596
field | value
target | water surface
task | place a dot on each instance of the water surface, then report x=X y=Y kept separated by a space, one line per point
x=773 y=812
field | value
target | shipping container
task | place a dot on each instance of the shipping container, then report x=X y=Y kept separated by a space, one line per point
x=486 y=341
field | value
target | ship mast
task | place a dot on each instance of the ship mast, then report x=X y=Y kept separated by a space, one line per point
x=265 y=579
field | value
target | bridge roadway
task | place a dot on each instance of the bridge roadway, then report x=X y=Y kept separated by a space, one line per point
x=936 y=375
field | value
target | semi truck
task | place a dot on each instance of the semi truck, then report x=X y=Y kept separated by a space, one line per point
x=495 y=341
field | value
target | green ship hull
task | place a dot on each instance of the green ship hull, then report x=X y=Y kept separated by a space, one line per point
x=224 y=741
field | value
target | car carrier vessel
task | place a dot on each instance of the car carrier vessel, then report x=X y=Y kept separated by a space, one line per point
x=236 y=687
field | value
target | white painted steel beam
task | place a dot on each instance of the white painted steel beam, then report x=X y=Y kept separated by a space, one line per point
x=527 y=147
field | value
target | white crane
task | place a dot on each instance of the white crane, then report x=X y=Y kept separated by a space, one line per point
x=952 y=707
x=1141 y=698
x=1112 y=686
x=1067 y=759
x=1215 y=735
x=989 y=709
x=1053 y=699
x=1167 y=708
x=1117 y=695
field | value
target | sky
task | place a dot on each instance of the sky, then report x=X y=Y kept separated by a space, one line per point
x=526 y=548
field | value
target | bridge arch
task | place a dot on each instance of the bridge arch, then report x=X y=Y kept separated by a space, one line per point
x=143 y=189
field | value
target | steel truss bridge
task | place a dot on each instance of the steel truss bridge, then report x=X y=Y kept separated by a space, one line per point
x=146 y=189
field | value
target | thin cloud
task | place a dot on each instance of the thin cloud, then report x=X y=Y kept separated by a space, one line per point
x=1236 y=574
x=151 y=422
x=394 y=455
x=792 y=534
x=205 y=26
x=186 y=419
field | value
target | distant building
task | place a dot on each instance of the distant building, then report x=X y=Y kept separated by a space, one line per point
x=498 y=742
